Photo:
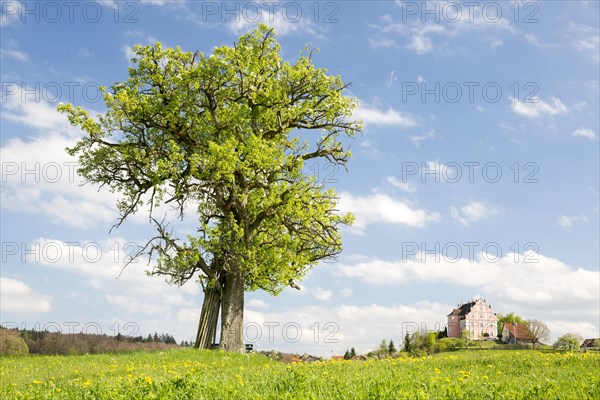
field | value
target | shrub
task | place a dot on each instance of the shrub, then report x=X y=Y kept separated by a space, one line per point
x=570 y=341
x=12 y=344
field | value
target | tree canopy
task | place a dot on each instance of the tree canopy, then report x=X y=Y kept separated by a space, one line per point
x=222 y=136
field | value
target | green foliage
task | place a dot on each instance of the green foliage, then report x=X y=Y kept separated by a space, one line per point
x=383 y=347
x=11 y=344
x=193 y=374
x=391 y=347
x=226 y=136
x=422 y=343
x=508 y=318
x=406 y=346
x=569 y=341
x=222 y=134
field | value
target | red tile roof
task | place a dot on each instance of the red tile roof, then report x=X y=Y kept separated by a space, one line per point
x=519 y=331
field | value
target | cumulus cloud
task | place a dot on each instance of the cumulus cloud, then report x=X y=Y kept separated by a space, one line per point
x=567 y=221
x=538 y=108
x=417 y=139
x=585 y=39
x=285 y=21
x=104 y=267
x=380 y=208
x=18 y=297
x=39 y=177
x=473 y=212
x=320 y=330
x=378 y=117
x=257 y=303
x=427 y=37
x=528 y=278
x=14 y=54
x=584 y=133
x=404 y=186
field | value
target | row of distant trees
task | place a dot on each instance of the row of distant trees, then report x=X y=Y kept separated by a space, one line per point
x=16 y=342
x=421 y=343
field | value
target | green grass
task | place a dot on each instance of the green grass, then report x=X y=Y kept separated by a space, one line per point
x=191 y=374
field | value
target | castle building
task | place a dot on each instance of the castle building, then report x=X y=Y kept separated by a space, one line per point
x=476 y=317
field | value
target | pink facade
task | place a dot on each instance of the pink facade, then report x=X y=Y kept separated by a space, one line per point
x=476 y=317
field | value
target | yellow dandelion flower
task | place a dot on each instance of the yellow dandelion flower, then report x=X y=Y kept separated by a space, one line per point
x=38 y=382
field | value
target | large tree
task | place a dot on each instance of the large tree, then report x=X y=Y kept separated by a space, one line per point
x=539 y=331
x=225 y=136
x=510 y=318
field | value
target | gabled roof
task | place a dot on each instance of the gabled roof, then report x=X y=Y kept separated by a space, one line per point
x=519 y=331
x=463 y=310
x=589 y=342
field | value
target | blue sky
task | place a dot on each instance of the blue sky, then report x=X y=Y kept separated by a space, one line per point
x=476 y=173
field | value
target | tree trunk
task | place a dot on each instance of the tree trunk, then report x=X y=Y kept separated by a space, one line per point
x=209 y=316
x=232 y=316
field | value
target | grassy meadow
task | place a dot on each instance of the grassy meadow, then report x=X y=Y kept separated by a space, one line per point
x=192 y=374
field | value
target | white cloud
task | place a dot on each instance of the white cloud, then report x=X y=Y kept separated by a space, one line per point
x=322 y=294
x=538 y=107
x=39 y=177
x=585 y=133
x=17 y=297
x=323 y=330
x=531 y=38
x=15 y=54
x=84 y=53
x=133 y=304
x=417 y=139
x=568 y=221
x=392 y=78
x=547 y=284
x=257 y=303
x=441 y=172
x=274 y=17
x=128 y=52
x=346 y=292
x=20 y=107
x=496 y=43
x=380 y=208
x=473 y=212
x=375 y=116
x=427 y=37
x=316 y=292
x=420 y=41
x=384 y=43
x=102 y=267
x=11 y=13
x=585 y=39
x=560 y=327
x=405 y=186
